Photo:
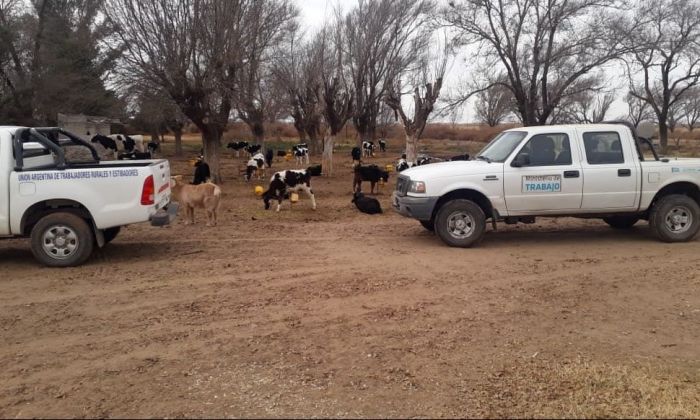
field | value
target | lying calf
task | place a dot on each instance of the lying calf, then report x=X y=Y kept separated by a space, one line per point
x=366 y=204
x=206 y=196
x=285 y=182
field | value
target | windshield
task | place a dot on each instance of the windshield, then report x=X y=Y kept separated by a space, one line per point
x=502 y=146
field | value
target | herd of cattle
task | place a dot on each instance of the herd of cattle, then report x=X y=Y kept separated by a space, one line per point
x=202 y=193
x=127 y=147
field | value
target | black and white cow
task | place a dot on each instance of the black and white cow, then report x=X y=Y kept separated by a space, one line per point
x=284 y=183
x=382 y=145
x=237 y=146
x=356 y=154
x=202 y=174
x=424 y=160
x=367 y=205
x=134 y=155
x=256 y=165
x=252 y=149
x=367 y=148
x=371 y=173
x=402 y=164
x=107 y=143
x=301 y=153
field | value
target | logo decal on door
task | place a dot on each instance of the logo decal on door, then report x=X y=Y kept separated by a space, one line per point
x=541 y=183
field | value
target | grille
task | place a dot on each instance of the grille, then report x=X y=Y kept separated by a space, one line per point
x=402 y=185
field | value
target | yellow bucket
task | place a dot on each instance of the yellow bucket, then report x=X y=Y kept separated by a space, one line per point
x=258 y=190
x=294 y=197
x=390 y=167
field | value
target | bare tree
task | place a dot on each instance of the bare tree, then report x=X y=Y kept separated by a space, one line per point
x=667 y=51
x=545 y=47
x=691 y=109
x=638 y=110
x=298 y=70
x=589 y=107
x=383 y=38
x=195 y=51
x=493 y=105
x=426 y=91
x=256 y=98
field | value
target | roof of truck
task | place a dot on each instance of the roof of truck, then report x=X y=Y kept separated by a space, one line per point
x=549 y=128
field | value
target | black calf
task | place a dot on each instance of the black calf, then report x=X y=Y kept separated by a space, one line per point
x=461 y=157
x=356 y=153
x=134 y=155
x=366 y=204
x=201 y=172
x=371 y=173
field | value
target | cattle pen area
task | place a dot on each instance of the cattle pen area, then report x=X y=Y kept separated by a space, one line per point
x=336 y=313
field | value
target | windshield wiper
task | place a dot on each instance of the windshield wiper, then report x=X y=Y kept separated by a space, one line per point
x=482 y=157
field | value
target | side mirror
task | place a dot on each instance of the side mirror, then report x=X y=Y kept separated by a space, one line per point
x=520 y=161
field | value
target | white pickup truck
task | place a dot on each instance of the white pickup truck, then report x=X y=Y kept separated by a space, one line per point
x=587 y=171
x=55 y=190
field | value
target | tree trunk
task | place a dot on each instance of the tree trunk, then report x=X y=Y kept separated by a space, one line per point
x=313 y=143
x=178 y=143
x=327 y=161
x=411 y=147
x=211 y=139
x=663 y=135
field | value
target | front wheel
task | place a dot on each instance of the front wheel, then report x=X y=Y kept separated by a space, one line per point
x=460 y=223
x=62 y=240
x=675 y=218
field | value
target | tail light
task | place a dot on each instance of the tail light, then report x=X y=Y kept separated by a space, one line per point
x=148 y=192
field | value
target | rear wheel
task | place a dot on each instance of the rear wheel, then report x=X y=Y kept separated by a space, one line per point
x=621 y=222
x=675 y=218
x=62 y=240
x=460 y=223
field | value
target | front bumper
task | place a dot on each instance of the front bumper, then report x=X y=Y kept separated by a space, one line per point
x=166 y=215
x=420 y=208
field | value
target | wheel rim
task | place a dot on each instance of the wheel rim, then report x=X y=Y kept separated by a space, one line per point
x=679 y=219
x=60 y=242
x=460 y=225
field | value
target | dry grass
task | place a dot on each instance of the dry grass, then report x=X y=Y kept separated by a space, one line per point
x=585 y=389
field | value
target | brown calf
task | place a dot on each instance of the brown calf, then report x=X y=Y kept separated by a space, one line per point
x=206 y=196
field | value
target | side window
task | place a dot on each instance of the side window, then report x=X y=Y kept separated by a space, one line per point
x=603 y=147
x=546 y=150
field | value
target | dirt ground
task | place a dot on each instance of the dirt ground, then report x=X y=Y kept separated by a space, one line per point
x=334 y=313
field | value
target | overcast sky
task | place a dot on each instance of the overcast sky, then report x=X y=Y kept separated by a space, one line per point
x=315 y=12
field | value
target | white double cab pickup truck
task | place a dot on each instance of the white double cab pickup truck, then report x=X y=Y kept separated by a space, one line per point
x=55 y=190
x=587 y=171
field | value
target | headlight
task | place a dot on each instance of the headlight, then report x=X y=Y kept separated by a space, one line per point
x=417 y=187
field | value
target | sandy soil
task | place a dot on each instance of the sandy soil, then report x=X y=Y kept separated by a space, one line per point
x=336 y=313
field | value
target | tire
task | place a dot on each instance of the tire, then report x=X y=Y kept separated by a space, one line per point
x=460 y=223
x=62 y=240
x=621 y=222
x=675 y=218
x=428 y=225
x=111 y=233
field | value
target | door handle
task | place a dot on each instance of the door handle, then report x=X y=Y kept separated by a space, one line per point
x=571 y=174
x=624 y=172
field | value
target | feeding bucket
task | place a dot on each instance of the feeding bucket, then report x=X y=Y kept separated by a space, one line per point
x=294 y=197
x=390 y=167
x=258 y=190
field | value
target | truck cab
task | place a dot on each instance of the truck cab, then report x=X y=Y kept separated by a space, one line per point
x=587 y=171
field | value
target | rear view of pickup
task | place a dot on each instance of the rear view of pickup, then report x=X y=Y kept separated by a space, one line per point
x=55 y=190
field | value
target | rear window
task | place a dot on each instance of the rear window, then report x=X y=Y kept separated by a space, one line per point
x=603 y=147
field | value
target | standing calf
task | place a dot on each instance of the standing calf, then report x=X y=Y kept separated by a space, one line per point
x=206 y=196
x=256 y=165
x=371 y=173
x=285 y=182
x=201 y=172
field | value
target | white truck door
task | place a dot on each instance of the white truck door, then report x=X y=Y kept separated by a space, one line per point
x=544 y=175
x=6 y=165
x=610 y=170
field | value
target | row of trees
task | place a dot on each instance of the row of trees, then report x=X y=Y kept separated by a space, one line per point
x=544 y=61
x=167 y=62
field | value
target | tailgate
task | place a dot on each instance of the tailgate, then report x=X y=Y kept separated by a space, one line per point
x=161 y=180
